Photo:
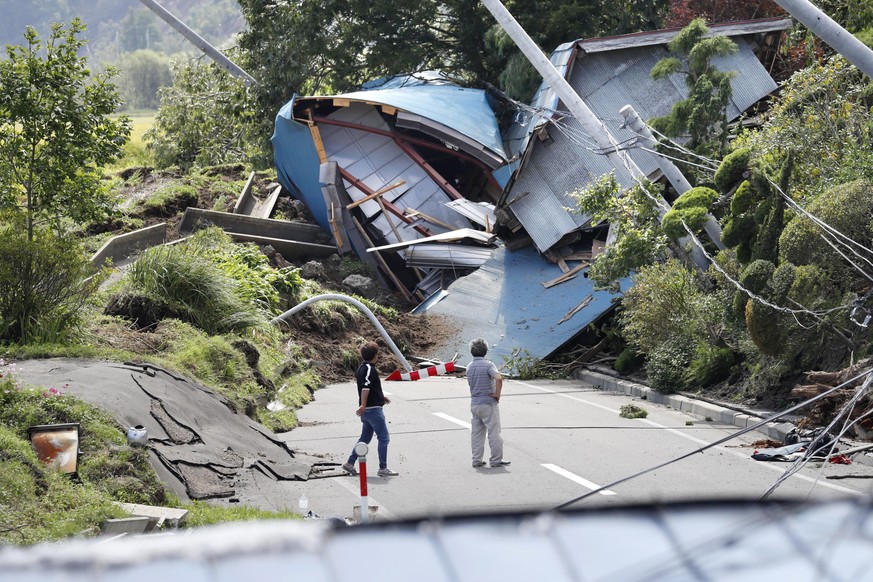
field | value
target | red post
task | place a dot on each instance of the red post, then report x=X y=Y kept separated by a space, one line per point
x=362 y=465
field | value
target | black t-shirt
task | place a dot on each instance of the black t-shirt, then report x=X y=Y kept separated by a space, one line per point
x=368 y=377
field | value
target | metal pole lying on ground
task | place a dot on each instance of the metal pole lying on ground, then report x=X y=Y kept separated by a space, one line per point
x=337 y=297
x=361 y=450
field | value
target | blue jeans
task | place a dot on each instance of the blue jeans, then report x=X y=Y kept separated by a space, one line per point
x=373 y=420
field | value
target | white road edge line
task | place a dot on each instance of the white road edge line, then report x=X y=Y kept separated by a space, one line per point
x=763 y=464
x=577 y=479
x=356 y=491
x=445 y=416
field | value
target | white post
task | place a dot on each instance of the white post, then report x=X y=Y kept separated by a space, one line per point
x=824 y=27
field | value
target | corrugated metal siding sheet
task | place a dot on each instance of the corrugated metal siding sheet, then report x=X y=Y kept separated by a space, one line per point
x=607 y=81
x=378 y=161
x=753 y=84
x=505 y=303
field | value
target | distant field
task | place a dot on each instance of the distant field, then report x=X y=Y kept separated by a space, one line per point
x=135 y=153
x=140 y=123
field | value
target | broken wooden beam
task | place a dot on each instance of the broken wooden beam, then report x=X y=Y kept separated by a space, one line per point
x=566 y=276
x=576 y=309
x=375 y=194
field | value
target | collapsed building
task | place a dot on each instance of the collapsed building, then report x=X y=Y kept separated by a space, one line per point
x=476 y=220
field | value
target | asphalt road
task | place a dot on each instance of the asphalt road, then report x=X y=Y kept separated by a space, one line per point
x=564 y=439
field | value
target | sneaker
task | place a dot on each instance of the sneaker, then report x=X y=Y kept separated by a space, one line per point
x=350 y=468
x=386 y=472
x=500 y=464
x=477 y=464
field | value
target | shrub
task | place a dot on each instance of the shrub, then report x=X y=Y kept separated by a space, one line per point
x=744 y=199
x=628 y=361
x=662 y=307
x=847 y=208
x=698 y=197
x=694 y=218
x=738 y=230
x=193 y=288
x=43 y=286
x=731 y=169
x=710 y=365
x=756 y=276
x=666 y=365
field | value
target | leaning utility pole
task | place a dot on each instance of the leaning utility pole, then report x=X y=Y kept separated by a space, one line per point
x=824 y=27
x=589 y=121
x=198 y=41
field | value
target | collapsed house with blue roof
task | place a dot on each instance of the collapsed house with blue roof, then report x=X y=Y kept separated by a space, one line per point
x=476 y=221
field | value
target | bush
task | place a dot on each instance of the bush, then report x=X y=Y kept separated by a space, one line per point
x=628 y=361
x=710 y=365
x=43 y=286
x=731 y=169
x=666 y=367
x=662 y=307
x=744 y=199
x=193 y=288
x=698 y=197
x=694 y=218
x=848 y=209
x=756 y=276
x=738 y=230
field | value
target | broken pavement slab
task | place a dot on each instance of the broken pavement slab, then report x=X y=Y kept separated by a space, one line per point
x=200 y=448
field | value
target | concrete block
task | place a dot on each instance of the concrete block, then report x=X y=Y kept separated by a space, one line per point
x=705 y=409
x=125 y=525
x=741 y=420
x=727 y=416
x=126 y=245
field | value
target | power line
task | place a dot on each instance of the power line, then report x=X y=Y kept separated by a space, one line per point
x=718 y=442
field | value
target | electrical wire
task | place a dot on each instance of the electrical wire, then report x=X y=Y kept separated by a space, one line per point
x=718 y=442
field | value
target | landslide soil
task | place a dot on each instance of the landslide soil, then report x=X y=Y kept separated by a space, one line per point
x=330 y=344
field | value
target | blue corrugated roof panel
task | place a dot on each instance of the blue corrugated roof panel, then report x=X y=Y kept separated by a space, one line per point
x=505 y=303
x=297 y=162
x=464 y=110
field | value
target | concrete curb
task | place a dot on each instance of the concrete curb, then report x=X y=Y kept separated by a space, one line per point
x=698 y=408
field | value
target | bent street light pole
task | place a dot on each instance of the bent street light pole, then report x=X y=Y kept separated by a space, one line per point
x=372 y=317
x=824 y=27
x=589 y=121
x=198 y=41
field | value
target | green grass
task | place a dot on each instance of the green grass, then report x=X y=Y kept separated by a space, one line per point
x=135 y=152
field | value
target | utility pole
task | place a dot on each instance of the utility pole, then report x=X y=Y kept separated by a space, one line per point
x=589 y=121
x=198 y=41
x=824 y=27
x=671 y=172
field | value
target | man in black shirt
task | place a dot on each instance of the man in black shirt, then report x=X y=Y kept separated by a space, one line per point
x=370 y=402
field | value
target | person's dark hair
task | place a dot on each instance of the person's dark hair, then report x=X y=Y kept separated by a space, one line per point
x=369 y=350
x=478 y=348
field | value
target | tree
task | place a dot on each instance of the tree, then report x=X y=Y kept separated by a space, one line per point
x=207 y=117
x=641 y=240
x=143 y=73
x=703 y=114
x=55 y=130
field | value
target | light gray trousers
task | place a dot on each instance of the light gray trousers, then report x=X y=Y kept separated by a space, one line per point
x=486 y=419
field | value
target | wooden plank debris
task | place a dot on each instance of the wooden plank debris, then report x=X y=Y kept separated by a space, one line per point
x=566 y=276
x=577 y=309
x=385 y=268
x=375 y=194
x=334 y=228
x=411 y=212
